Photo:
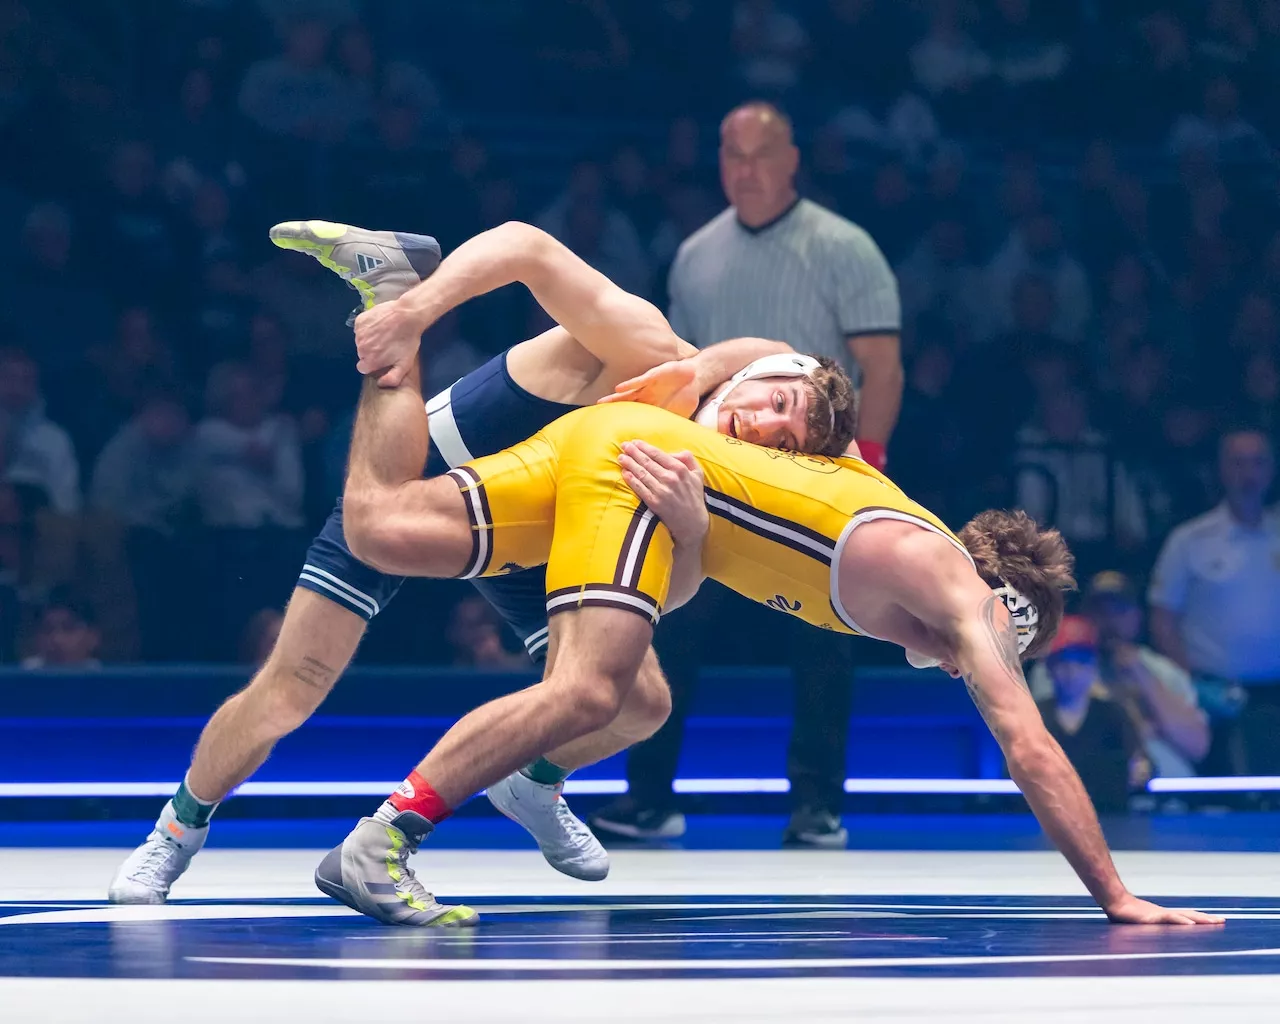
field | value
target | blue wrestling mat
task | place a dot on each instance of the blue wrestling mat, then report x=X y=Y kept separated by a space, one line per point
x=634 y=937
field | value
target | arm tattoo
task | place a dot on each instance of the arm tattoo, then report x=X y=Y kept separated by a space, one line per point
x=980 y=702
x=1003 y=640
x=1004 y=645
x=314 y=672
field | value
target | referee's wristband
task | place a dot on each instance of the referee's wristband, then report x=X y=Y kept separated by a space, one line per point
x=873 y=453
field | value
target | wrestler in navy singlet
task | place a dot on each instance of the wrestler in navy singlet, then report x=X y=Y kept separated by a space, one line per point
x=483 y=413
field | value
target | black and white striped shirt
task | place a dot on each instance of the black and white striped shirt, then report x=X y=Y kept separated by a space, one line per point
x=809 y=278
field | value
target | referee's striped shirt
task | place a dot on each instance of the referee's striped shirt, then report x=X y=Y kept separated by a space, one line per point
x=809 y=278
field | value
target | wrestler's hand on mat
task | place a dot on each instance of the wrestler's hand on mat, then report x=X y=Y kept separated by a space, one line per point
x=671 y=485
x=1131 y=910
x=671 y=385
x=387 y=338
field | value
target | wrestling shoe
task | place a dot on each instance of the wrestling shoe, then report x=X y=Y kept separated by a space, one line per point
x=564 y=839
x=624 y=817
x=149 y=872
x=370 y=872
x=820 y=829
x=380 y=265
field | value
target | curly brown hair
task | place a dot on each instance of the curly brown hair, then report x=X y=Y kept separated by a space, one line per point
x=833 y=410
x=1009 y=547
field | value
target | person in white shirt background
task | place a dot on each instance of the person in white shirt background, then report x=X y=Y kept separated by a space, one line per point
x=1214 y=597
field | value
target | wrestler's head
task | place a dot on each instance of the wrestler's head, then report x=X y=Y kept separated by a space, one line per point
x=1029 y=568
x=798 y=403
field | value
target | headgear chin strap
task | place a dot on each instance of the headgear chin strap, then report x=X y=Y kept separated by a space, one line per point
x=783 y=364
x=1025 y=615
x=1026 y=623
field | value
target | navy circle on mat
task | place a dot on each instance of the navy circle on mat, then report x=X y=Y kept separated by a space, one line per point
x=635 y=937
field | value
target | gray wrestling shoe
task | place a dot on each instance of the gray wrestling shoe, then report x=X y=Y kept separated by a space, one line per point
x=566 y=842
x=370 y=873
x=149 y=872
x=380 y=265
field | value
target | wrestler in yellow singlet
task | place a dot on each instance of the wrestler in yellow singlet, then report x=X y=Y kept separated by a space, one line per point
x=778 y=519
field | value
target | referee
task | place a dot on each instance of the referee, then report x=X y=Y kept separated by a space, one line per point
x=774 y=265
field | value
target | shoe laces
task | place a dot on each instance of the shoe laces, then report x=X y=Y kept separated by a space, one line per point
x=576 y=829
x=152 y=866
x=408 y=877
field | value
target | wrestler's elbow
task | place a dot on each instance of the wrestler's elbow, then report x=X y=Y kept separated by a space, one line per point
x=1026 y=744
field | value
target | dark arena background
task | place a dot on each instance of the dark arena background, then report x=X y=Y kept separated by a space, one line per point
x=1041 y=236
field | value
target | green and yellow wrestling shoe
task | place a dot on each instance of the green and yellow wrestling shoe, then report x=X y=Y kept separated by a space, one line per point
x=380 y=265
x=370 y=873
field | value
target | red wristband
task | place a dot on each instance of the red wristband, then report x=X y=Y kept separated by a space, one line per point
x=873 y=453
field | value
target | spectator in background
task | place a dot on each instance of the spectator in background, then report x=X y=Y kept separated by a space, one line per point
x=583 y=219
x=941 y=278
x=930 y=444
x=1029 y=64
x=771 y=45
x=371 y=81
x=66 y=637
x=1067 y=476
x=1036 y=247
x=33 y=449
x=136 y=240
x=114 y=378
x=73 y=312
x=1218 y=129
x=13 y=558
x=1131 y=313
x=687 y=206
x=949 y=66
x=1214 y=595
x=1229 y=37
x=1162 y=76
x=297 y=94
x=248 y=465
x=145 y=476
x=1096 y=733
x=145 y=481
x=197 y=140
x=210 y=231
x=894 y=216
x=631 y=184
x=1158 y=695
x=475 y=639
x=250 y=490
x=1189 y=443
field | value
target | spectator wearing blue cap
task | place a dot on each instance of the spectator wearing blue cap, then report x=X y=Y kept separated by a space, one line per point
x=1098 y=735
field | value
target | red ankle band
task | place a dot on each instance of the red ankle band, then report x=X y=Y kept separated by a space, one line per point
x=416 y=794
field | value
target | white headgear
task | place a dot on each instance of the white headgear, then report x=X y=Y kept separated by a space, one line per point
x=782 y=364
x=1026 y=622
x=1025 y=615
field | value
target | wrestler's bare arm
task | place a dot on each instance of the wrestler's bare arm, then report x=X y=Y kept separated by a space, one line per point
x=986 y=654
x=940 y=588
x=621 y=330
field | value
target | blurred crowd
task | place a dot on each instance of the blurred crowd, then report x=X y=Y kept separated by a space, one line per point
x=1080 y=200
